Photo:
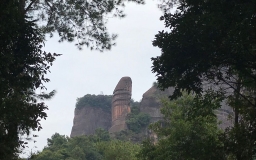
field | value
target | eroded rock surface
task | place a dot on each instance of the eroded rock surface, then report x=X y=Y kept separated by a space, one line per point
x=88 y=119
x=121 y=104
x=150 y=103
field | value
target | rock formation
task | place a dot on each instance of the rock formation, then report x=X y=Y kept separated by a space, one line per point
x=121 y=104
x=87 y=120
x=92 y=113
x=150 y=103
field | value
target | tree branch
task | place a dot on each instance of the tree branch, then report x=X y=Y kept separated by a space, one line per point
x=29 y=6
x=243 y=96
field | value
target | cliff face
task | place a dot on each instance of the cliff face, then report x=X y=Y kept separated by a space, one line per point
x=88 y=119
x=150 y=103
x=93 y=112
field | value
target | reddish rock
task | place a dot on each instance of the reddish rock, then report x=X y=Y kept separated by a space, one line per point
x=121 y=104
x=88 y=119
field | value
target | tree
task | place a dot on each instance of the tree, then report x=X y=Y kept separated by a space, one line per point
x=217 y=50
x=100 y=101
x=210 y=49
x=76 y=19
x=118 y=150
x=23 y=66
x=102 y=135
x=188 y=131
x=63 y=147
x=136 y=121
x=57 y=140
x=93 y=147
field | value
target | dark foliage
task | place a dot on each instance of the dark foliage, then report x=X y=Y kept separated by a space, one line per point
x=79 y=20
x=188 y=131
x=134 y=103
x=23 y=66
x=63 y=147
x=93 y=147
x=136 y=121
x=209 y=41
x=100 y=101
x=213 y=44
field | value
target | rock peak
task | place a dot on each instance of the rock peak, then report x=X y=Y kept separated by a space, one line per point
x=125 y=83
x=121 y=104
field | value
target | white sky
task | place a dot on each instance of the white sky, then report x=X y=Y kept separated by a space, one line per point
x=77 y=73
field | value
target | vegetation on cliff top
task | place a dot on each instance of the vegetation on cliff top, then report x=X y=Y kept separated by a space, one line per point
x=100 y=101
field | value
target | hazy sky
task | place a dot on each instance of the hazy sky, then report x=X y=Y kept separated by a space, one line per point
x=77 y=73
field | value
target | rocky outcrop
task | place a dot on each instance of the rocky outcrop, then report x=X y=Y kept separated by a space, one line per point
x=150 y=103
x=121 y=104
x=93 y=112
x=88 y=119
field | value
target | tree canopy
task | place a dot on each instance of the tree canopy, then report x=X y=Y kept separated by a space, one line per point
x=100 y=101
x=94 y=147
x=24 y=64
x=137 y=121
x=212 y=44
x=211 y=41
x=188 y=131
x=80 y=20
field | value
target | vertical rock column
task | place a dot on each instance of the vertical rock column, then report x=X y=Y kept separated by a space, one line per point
x=121 y=104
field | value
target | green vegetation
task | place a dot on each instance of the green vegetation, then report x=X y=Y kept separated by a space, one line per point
x=134 y=103
x=129 y=135
x=136 y=121
x=118 y=150
x=100 y=101
x=189 y=131
x=213 y=42
x=210 y=49
x=155 y=84
x=24 y=64
x=94 y=147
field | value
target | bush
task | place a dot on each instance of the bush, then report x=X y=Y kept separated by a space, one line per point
x=100 y=101
x=136 y=120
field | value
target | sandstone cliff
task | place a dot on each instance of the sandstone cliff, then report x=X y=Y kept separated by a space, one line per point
x=88 y=119
x=109 y=112
x=121 y=104
x=150 y=103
